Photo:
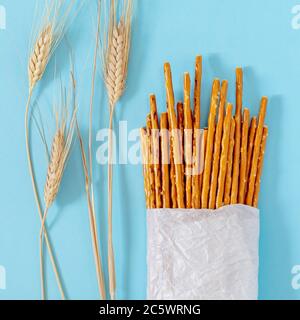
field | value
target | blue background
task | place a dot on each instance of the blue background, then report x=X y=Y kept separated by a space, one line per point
x=254 y=34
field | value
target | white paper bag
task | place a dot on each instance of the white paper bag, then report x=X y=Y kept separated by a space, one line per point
x=203 y=254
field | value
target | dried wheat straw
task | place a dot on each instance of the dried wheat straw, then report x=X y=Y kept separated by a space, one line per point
x=116 y=47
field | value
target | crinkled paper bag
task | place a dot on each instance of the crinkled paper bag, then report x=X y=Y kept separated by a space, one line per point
x=203 y=254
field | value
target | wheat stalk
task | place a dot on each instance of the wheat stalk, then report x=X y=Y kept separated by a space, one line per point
x=50 y=33
x=88 y=171
x=116 y=55
x=92 y=218
x=59 y=154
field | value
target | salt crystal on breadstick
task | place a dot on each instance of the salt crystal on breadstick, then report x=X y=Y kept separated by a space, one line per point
x=196 y=195
x=210 y=143
x=237 y=138
x=175 y=136
x=152 y=203
x=228 y=179
x=256 y=150
x=244 y=146
x=217 y=147
x=144 y=147
x=165 y=160
x=252 y=133
x=260 y=167
x=224 y=155
x=188 y=140
x=156 y=149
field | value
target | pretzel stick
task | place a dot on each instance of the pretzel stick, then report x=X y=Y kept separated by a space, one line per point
x=237 y=147
x=203 y=153
x=152 y=204
x=156 y=153
x=210 y=143
x=256 y=150
x=165 y=160
x=188 y=140
x=260 y=167
x=144 y=147
x=180 y=117
x=196 y=195
x=175 y=136
x=228 y=178
x=252 y=133
x=243 y=165
x=224 y=155
x=197 y=91
x=172 y=175
x=217 y=147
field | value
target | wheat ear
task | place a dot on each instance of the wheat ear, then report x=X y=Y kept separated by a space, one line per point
x=40 y=56
x=55 y=169
x=116 y=56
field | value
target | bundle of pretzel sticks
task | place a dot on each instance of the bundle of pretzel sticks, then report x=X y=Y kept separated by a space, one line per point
x=189 y=167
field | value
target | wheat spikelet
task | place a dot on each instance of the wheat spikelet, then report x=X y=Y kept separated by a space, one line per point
x=40 y=56
x=55 y=168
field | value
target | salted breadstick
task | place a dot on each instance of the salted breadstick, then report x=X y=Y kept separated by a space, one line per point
x=188 y=140
x=196 y=195
x=228 y=179
x=152 y=203
x=197 y=92
x=256 y=150
x=180 y=119
x=244 y=147
x=210 y=143
x=175 y=136
x=144 y=148
x=237 y=138
x=165 y=160
x=173 y=176
x=203 y=153
x=217 y=147
x=260 y=167
x=224 y=155
x=252 y=133
x=156 y=153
